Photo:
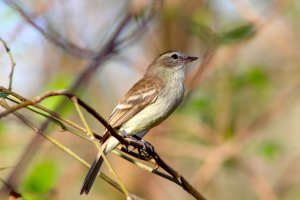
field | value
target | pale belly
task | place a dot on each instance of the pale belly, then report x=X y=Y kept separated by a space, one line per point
x=167 y=101
x=155 y=113
x=149 y=117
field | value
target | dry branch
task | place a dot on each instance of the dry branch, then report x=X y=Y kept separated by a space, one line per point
x=108 y=50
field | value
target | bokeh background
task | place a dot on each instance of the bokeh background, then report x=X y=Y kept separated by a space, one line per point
x=235 y=136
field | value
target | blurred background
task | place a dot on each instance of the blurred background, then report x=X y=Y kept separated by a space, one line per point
x=235 y=136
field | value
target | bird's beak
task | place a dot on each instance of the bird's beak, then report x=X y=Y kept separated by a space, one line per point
x=190 y=59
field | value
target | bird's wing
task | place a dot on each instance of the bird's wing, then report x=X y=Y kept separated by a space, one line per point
x=142 y=94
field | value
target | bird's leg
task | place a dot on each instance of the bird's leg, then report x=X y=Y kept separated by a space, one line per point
x=143 y=141
x=148 y=148
x=134 y=138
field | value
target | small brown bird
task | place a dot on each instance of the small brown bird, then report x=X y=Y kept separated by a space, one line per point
x=150 y=101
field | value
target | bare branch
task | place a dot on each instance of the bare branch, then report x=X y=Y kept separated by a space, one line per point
x=54 y=38
x=141 y=145
x=13 y=64
x=102 y=55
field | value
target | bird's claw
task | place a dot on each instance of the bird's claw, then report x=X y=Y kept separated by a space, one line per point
x=147 y=149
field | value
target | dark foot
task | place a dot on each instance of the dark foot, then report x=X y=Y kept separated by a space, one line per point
x=147 y=149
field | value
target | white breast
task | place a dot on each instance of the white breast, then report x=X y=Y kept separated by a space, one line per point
x=167 y=101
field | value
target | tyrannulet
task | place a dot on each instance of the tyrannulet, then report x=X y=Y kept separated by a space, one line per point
x=150 y=101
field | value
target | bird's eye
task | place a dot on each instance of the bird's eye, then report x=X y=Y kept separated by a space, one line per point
x=174 y=56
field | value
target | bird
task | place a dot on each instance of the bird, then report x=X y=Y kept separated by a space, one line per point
x=147 y=103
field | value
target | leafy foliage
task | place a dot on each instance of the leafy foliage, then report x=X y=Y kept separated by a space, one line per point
x=41 y=179
x=237 y=34
x=270 y=149
x=255 y=77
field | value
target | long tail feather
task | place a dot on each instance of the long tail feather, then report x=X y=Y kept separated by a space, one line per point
x=91 y=175
x=110 y=143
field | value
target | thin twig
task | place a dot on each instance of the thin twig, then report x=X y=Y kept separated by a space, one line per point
x=179 y=179
x=146 y=167
x=25 y=103
x=56 y=39
x=63 y=148
x=12 y=61
x=88 y=129
x=74 y=99
x=150 y=150
x=106 y=52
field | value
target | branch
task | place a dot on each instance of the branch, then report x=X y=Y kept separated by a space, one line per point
x=102 y=55
x=142 y=146
x=127 y=141
x=13 y=64
x=63 y=148
x=56 y=39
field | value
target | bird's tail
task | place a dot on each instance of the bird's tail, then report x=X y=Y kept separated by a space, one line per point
x=109 y=144
x=91 y=175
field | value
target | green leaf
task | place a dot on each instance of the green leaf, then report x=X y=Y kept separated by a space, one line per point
x=41 y=178
x=237 y=34
x=255 y=77
x=270 y=149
